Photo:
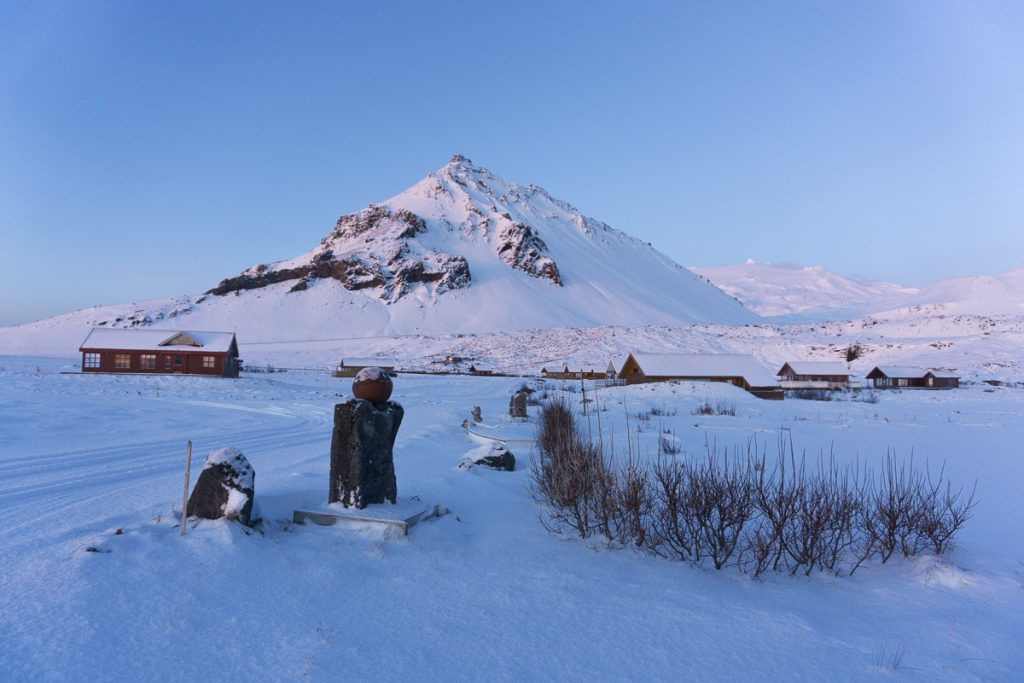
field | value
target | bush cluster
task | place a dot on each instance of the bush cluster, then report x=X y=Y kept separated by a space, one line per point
x=720 y=408
x=741 y=509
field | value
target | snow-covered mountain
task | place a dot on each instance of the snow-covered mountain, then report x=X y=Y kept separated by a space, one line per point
x=812 y=293
x=980 y=295
x=463 y=250
x=466 y=250
x=807 y=292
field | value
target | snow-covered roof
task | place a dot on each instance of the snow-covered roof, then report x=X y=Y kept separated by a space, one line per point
x=705 y=365
x=943 y=374
x=156 y=340
x=901 y=371
x=801 y=367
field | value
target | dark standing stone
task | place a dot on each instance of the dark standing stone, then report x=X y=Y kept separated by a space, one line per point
x=225 y=487
x=362 y=459
x=477 y=416
x=517 y=404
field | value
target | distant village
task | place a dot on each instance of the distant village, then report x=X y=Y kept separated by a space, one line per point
x=215 y=354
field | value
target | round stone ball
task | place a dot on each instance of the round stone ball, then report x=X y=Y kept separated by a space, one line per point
x=372 y=384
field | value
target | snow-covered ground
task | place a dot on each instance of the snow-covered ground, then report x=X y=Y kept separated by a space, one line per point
x=484 y=593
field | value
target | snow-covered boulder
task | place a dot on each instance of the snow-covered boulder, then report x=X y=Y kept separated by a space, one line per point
x=495 y=456
x=225 y=487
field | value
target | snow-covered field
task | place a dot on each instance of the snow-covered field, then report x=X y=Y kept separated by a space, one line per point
x=484 y=593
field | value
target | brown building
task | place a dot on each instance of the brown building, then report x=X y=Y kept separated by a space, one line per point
x=828 y=375
x=739 y=370
x=563 y=372
x=148 y=351
x=906 y=377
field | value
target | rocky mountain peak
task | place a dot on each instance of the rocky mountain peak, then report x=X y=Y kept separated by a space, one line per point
x=405 y=243
x=463 y=229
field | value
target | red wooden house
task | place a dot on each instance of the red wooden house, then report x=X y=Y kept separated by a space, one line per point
x=148 y=351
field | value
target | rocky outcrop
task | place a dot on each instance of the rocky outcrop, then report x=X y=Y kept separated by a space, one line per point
x=225 y=487
x=520 y=247
x=372 y=249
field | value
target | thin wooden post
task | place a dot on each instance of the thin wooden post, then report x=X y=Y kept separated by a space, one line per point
x=184 y=496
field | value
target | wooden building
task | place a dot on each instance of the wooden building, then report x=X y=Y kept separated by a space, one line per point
x=908 y=377
x=566 y=373
x=737 y=369
x=828 y=375
x=350 y=367
x=148 y=351
x=937 y=379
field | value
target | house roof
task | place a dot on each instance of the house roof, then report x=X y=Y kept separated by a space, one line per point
x=705 y=365
x=803 y=367
x=157 y=340
x=617 y=362
x=900 y=371
x=942 y=374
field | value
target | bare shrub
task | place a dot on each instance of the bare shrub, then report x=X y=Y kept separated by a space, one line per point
x=739 y=508
x=663 y=411
x=634 y=501
x=819 y=530
x=944 y=513
x=720 y=503
x=887 y=661
x=719 y=408
x=725 y=408
x=703 y=408
x=564 y=475
x=605 y=502
x=668 y=445
x=811 y=394
x=896 y=513
x=777 y=496
x=672 y=529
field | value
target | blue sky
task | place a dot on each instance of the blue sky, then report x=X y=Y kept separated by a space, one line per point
x=150 y=149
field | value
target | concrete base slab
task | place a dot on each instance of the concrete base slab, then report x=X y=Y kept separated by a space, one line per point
x=390 y=518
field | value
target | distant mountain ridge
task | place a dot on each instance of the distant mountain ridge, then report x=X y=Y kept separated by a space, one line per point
x=782 y=290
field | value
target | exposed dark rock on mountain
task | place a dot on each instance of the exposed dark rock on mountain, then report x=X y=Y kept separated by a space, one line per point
x=369 y=249
x=521 y=248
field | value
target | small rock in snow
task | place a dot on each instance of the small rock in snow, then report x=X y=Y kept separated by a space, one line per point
x=225 y=487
